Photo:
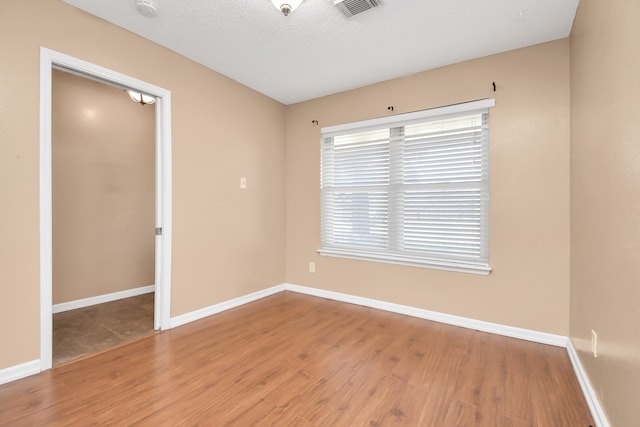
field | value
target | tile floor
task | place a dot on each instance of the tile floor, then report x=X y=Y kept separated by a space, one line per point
x=84 y=331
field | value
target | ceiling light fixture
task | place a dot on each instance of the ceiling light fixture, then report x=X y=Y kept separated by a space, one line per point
x=286 y=6
x=146 y=8
x=141 y=98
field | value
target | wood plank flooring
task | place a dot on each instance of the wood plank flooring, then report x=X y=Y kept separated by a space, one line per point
x=297 y=360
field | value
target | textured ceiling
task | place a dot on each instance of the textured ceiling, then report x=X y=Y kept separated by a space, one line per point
x=315 y=51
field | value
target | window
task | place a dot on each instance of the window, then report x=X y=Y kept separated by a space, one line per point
x=409 y=189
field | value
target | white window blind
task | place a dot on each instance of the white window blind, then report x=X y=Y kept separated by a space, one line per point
x=410 y=189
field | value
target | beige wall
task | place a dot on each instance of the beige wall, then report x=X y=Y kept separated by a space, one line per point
x=226 y=242
x=103 y=148
x=605 y=201
x=529 y=190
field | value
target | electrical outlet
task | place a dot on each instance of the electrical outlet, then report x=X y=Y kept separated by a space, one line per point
x=312 y=267
x=243 y=183
x=594 y=343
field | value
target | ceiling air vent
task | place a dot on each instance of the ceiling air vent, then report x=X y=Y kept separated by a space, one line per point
x=351 y=8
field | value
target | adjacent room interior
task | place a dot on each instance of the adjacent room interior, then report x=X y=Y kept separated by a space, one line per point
x=103 y=179
x=246 y=222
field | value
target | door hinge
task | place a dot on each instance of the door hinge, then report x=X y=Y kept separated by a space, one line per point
x=158 y=231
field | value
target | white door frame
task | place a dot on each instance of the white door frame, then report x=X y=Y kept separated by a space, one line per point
x=50 y=59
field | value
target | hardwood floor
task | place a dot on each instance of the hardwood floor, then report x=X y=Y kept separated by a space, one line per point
x=297 y=360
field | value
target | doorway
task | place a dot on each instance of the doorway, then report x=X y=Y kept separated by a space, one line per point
x=103 y=198
x=50 y=60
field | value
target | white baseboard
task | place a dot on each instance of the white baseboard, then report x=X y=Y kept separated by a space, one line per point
x=465 y=322
x=225 y=305
x=22 y=370
x=33 y=367
x=86 y=302
x=494 y=328
x=589 y=394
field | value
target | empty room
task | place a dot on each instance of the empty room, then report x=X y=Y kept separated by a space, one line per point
x=367 y=212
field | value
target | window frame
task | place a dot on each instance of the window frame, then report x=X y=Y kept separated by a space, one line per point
x=477 y=265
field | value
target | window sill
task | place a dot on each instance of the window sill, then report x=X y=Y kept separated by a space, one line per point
x=450 y=265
